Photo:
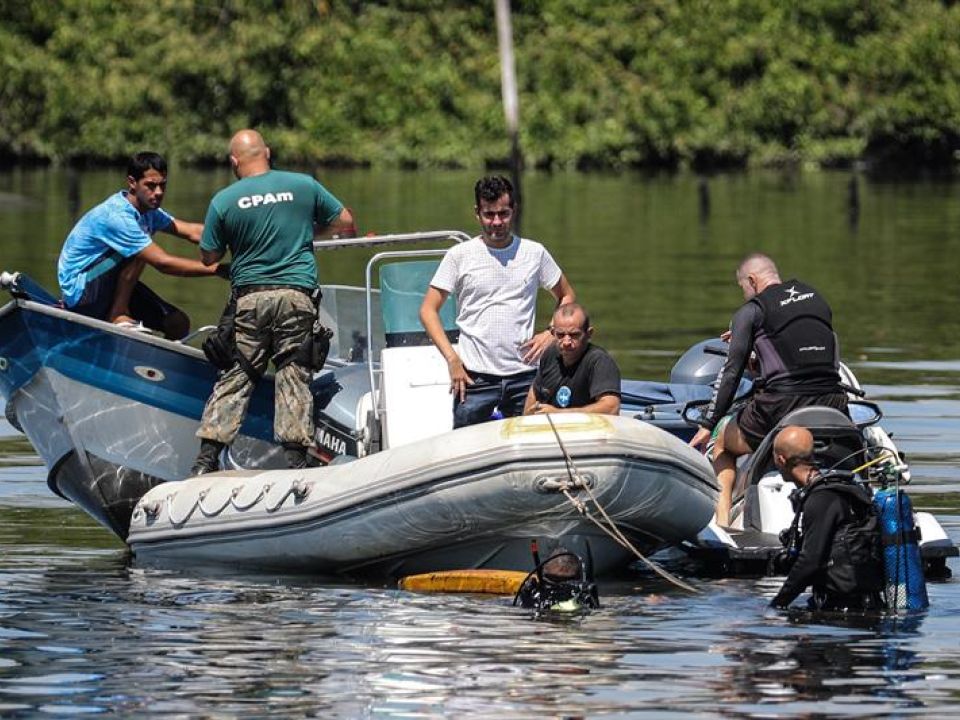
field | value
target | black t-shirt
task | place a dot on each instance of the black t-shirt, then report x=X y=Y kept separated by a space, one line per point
x=596 y=374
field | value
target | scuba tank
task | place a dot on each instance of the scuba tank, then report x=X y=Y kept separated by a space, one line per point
x=902 y=564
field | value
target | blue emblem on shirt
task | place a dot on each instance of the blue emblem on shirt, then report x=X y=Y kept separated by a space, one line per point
x=563 y=396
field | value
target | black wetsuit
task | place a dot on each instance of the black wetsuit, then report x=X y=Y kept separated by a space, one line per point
x=845 y=572
x=789 y=325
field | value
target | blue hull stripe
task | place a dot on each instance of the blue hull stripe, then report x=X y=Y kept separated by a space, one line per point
x=107 y=361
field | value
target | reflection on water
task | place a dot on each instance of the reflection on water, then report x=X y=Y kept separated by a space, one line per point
x=82 y=629
x=860 y=668
x=948 y=366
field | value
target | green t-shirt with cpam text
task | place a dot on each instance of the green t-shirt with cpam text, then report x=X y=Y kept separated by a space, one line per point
x=267 y=223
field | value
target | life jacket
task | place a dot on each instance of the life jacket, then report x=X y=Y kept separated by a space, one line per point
x=797 y=323
x=856 y=555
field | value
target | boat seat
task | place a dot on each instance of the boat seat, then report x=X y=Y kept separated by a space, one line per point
x=838 y=442
x=415 y=383
x=639 y=394
x=415 y=394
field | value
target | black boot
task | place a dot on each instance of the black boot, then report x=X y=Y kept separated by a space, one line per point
x=295 y=454
x=208 y=459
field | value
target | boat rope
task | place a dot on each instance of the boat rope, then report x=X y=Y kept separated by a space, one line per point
x=298 y=488
x=151 y=509
x=613 y=531
x=236 y=493
x=186 y=515
x=211 y=512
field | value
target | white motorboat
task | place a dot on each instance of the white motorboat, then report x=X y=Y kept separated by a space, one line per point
x=113 y=414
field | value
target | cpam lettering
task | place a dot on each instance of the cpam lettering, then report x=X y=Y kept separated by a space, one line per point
x=252 y=201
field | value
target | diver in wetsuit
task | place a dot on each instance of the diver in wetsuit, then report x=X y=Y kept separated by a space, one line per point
x=788 y=324
x=839 y=538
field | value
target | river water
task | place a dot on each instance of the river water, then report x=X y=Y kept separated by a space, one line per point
x=85 y=630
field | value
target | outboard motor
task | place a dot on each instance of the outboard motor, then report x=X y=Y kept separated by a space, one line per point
x=902 y=563
x=700 y=364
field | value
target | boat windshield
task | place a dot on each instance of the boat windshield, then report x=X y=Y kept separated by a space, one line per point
x=344 y=310
x=344 y=307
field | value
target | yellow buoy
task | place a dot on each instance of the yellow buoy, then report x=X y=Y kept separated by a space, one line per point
x=494 y=582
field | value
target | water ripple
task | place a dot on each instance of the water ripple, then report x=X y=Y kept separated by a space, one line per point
x=86 y=631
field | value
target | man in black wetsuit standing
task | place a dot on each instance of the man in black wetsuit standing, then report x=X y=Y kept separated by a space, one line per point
x=789 y=325
x=840 y=556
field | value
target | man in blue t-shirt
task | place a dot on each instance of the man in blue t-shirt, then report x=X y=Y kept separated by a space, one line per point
x=105 y=253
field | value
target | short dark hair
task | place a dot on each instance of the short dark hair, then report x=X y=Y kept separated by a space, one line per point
x=143 y=161
x=492 y=188
x=571 y=308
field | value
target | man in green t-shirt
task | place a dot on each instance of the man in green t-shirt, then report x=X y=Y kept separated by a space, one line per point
x=267 y=221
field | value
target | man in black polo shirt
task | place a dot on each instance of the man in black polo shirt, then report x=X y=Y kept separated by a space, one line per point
x=574 y=375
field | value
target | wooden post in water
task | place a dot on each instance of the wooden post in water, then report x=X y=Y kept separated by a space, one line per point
x=73 y=192
x=853 y=201
x=508 y=86
x=703 y=198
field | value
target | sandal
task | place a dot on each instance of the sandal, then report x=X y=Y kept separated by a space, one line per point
x=134 y=325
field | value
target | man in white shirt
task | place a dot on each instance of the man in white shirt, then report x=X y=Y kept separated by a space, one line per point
x=495 y=277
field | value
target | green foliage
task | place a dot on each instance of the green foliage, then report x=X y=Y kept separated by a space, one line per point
x=603 y=83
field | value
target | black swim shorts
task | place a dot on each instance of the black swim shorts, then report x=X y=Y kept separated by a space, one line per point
x=764 y=410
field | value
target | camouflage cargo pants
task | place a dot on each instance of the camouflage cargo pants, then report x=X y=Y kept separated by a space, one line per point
x=269 y=325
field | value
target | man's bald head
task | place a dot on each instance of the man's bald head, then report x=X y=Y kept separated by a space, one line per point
x=757 y=264
x=249 y=154
x=793 y=441
x=755 y=273
x=793 y=450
